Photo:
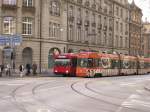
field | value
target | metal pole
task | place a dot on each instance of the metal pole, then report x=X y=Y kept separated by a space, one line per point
x=40 y=63
x=67 y=27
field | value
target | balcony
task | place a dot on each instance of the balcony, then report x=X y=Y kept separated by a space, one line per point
x=28 y=8
x=87 y=23
x=7 y=5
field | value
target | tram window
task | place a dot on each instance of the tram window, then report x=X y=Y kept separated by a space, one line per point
x=96 y=62
x=83 y=62
x=90 y=62
x=106 y=63
x=126 y=64
x=100 y=63
x=141 y=64
x=114 y=63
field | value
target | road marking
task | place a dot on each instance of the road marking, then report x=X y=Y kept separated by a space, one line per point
x=127 y=84
x=13 y=84
x=44 y=110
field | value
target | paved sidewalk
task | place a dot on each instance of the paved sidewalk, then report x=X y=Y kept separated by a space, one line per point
x=43 y=74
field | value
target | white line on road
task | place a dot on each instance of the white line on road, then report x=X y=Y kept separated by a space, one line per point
x=44 y=110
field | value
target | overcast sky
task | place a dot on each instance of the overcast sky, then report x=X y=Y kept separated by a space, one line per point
x=145 y=6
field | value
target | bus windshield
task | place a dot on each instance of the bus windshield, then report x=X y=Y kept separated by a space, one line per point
x=62 y=62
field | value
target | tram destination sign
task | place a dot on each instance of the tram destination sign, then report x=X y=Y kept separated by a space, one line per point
x=12 y=40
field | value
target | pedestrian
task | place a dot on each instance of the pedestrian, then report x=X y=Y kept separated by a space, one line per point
x=21 y=69
x=0 y=70
x=34 y=68
x=28 y=68
x=8 y=72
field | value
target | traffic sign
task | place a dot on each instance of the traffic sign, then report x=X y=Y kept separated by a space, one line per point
x=12 y=40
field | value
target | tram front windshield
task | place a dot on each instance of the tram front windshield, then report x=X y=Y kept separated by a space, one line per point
x=62 y=62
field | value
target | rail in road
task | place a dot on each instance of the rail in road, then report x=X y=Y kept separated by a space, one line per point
x=108 y=94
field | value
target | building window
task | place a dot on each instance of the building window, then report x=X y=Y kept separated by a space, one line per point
x=71 y=9
x=121 y=41
x=117 y=11
x=117 y=41
x=117 y=26
x=78 y=33
x=27 y=26
x=9 y=2
x=9 y=25
x=54 y=30
x=121 y=28
x=86 y=35
x=55 y=8
x=28 y=3
x=71 y=32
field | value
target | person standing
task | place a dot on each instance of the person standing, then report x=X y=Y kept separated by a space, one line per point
x=8 y=67
x=0 y=70
x=21 y=69
x=28 y=67
x=34 y=68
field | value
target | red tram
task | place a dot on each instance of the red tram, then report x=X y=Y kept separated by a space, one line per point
x=91 y=64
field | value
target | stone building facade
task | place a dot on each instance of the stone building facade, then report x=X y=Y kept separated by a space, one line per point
x=135 y=29
x=49 y=27
x=146 y=37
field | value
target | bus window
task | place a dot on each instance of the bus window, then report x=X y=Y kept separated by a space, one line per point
x=62 y=62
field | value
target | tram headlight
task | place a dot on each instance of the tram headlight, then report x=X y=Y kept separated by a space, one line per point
x=56 y=71
x=67 y=71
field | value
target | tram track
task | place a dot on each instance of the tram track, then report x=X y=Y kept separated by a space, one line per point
x=13 y=97
x=55 y=109
x=75 y=89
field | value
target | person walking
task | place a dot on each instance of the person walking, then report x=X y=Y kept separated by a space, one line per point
x=21 y=69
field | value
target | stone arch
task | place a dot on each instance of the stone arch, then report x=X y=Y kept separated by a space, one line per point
x=52 y=53
x=27 y=55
